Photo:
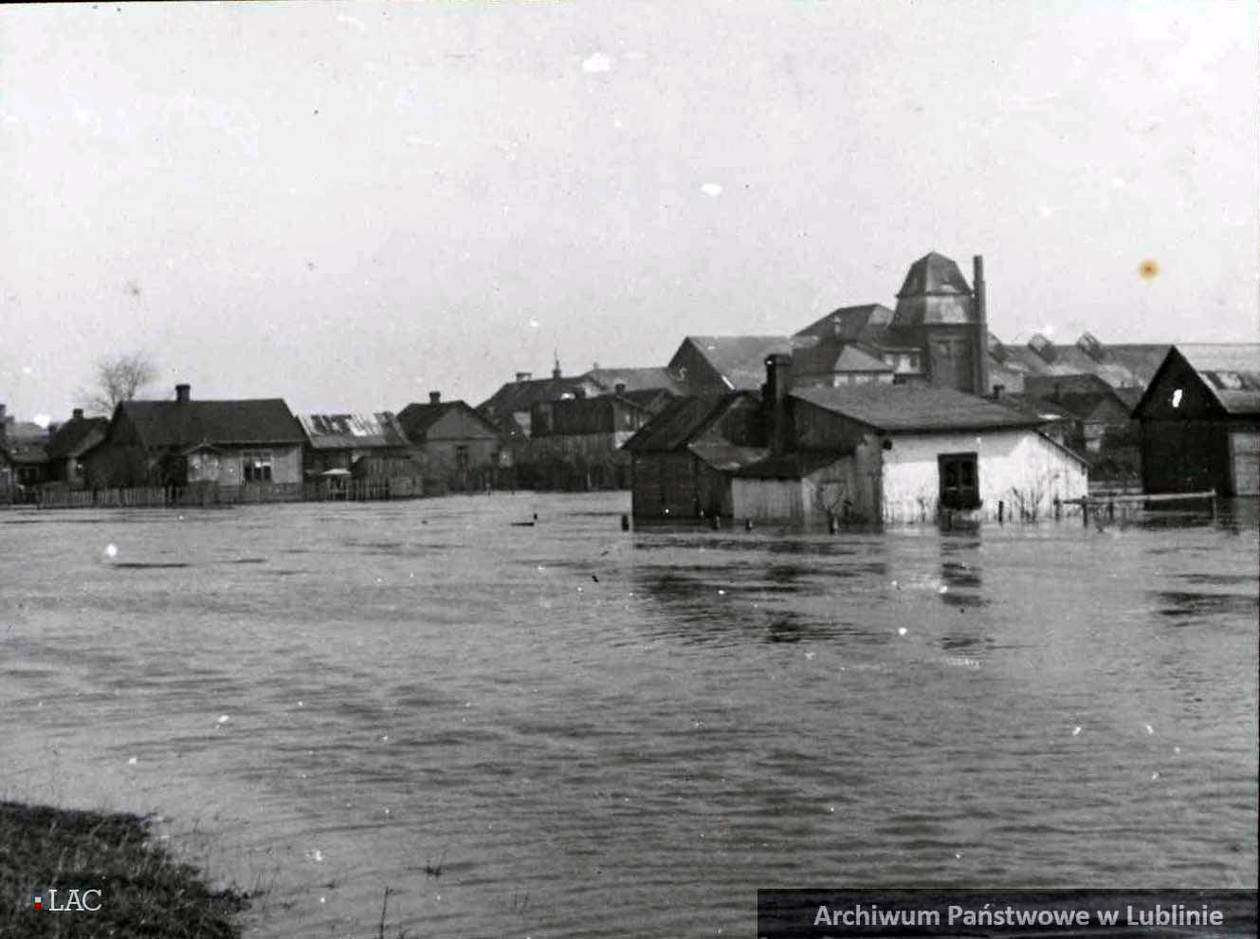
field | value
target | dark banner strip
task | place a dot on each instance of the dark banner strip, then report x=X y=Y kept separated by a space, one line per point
x=995 y=914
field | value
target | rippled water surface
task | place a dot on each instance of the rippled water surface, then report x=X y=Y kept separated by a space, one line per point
x=588 y=732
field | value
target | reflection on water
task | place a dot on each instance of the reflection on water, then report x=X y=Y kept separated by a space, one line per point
x=583 y=728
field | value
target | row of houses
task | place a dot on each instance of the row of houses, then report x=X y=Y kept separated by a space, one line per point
x=689 y=435
x=436 y=446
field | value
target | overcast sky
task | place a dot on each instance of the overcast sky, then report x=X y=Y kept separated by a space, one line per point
x=348 y=205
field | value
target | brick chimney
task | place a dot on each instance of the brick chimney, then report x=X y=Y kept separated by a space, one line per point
x=183 y=393
x=78 y=414
x=982 y=324
x=524 y=376
x=775 y=404
x=4 y=421
x=435 y=397
x=619 y=389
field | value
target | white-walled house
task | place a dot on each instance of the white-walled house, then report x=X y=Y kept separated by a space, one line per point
x=901 y=454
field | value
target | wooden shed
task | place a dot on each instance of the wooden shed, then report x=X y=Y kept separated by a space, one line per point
x=1200 y=418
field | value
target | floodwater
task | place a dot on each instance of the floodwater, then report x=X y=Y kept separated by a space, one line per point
x=563 y=729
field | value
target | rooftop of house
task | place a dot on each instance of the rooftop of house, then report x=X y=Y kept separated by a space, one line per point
x=1231 y=371
x=353 y=431
x=76 y=436
x=681 y=422
x=185 y=421
x=740 y=360
x=516 y=396
x=417 y=419
x=915 y=408
x=637 y=379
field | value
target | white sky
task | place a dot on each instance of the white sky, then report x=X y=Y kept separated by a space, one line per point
x=347 y=205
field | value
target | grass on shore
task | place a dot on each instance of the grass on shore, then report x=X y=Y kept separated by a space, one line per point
x=144 y=892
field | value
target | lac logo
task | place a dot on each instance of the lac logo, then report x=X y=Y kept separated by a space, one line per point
x=59 y=900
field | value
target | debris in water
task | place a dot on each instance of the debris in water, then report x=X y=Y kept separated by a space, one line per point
x=223 y=719
x=1154 y=776
x=133 y=761
x=111 y=551
x=943 y=589
x=721 y=593
x=1076 y=732
x=1149 y=730
x=901 y=630
x=315 y=855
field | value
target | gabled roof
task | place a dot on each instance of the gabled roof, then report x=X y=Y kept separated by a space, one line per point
x=76 y=436
x=353 y=431
x=933 y=274
x=681 y=422
x=740 y=360
x=516 y=396
x=1230 y=372
x=24 y=430
x=915 y=407
x=417 y=419
x=181 y=423
x=637 y=379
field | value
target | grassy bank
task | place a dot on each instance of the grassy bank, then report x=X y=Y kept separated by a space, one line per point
x=144 y=892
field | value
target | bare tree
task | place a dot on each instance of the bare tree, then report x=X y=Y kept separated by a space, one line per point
x=118 y=378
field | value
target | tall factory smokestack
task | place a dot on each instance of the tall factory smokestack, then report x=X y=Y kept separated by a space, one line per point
x=982 y=325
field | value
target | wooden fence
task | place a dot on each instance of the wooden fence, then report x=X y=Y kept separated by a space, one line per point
x=212 y=494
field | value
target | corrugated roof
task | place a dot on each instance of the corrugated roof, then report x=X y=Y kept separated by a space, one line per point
x=1231 y=371
x=180 y=423
x=76 y=436
x=914 y=407
x=933 y=274
x=740 y=359
x=353 y=431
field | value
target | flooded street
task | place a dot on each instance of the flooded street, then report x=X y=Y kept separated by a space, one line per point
x=564 y=729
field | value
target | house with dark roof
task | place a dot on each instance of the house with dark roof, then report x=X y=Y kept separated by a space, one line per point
x=227 y=443
x=462 y=449
x=359 y=445
x=508 y=409
x=683 y=459
x=1200 y=421
x=897 y=453
x=69 y=442
x=576 y=442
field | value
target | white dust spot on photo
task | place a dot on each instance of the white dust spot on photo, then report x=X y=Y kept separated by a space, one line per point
x=943 y=589
x=1149 y=730
x=223 y=719
x=533 y=324
x=721 y=593
x=901 y=630
x=599 y=62
x=316 y=855
x=1154 y=776
x=133 y=761
x=27 y=370
x=711 y=189
x=809 y=656
x=1076 y=731
x=111 y=551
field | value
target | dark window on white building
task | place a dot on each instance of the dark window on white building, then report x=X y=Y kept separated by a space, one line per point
x=960 y=480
